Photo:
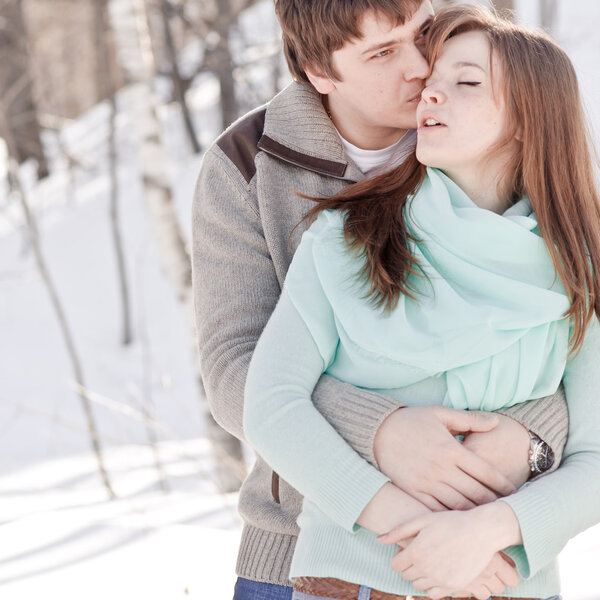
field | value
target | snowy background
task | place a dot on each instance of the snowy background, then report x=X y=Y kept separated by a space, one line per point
x=59 y=537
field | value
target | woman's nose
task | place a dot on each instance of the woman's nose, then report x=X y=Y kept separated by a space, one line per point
x=433 y=95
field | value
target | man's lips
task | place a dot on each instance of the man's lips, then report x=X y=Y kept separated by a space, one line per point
x=416 y=98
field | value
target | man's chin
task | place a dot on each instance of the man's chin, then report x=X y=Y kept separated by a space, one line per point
x=410 y=122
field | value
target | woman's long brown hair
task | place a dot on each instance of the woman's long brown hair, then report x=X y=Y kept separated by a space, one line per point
x=551 y=163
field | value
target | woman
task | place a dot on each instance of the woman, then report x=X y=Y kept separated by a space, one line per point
x=446 y=281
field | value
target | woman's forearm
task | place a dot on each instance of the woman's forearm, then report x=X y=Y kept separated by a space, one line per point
x=284 y=427
x=388 y=508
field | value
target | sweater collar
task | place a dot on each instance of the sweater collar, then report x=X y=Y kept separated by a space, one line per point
x=298 y=131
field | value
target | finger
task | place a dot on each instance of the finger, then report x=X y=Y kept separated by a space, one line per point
x=423 y=583
x=403 y=544
x=451 y=498
x=495 y=585
x=411 y=573
x=402 y=561
x=507 y=574
x=470 y=488
x=477 y=468
x=480 y=591
x=402 y=531
x=435 y=593
x=463 y=421
x=430 y=502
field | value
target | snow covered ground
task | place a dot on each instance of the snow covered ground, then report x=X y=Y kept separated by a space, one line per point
x=60 y=538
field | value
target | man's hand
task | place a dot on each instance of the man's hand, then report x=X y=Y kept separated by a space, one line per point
x=415 y=447
x=505 y=447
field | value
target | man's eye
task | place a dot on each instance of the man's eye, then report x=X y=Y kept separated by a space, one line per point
x=472 y=83
x=423 y=35
x=382 y=53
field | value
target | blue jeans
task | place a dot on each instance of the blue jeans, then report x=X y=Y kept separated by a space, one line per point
x=364 y=593
x=245 y=589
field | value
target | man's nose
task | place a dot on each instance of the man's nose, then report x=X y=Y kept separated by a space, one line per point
x=416 y=66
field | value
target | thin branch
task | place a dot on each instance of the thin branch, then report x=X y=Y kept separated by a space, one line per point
x=6 y=133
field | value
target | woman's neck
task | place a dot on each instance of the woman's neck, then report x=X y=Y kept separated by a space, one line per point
x=483 y=189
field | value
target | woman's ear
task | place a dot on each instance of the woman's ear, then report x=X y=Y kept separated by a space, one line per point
x=321 y=82
x=519 y=133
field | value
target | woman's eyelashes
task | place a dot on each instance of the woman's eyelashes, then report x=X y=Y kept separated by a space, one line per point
x=472 y=83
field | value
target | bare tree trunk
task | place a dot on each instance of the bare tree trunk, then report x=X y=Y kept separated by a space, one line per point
x=15 y=86
x=6 y=133
x=107 y=89
x=548 y=12
x=148 y=408
x=221 y=62
x=138 y=63
x=177 y=80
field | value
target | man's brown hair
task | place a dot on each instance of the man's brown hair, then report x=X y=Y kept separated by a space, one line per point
x=314 y=29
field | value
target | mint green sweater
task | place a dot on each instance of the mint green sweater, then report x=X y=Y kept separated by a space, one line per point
x=487 y=331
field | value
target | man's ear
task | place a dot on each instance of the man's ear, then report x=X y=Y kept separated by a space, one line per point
x=321 y=82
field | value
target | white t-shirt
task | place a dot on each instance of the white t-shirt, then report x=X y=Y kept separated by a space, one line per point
x=375 y=162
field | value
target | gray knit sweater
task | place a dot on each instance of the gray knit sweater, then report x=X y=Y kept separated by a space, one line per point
x=245 y=215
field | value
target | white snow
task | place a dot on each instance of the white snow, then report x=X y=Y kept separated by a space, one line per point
x=60 y=537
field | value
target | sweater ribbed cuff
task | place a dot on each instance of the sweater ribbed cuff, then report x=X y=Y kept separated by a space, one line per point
x=548 y=418
x=265 y=556
x=536 y=519
x=356 y=413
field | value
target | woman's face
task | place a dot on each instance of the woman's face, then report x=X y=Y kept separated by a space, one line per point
x=461 y=115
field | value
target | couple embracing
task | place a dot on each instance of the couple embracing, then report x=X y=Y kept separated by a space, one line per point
x=446 y=283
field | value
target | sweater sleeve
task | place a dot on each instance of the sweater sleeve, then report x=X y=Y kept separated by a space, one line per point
x=283 y=425
x=548 y=418
x=556 y=507
x=236 y=289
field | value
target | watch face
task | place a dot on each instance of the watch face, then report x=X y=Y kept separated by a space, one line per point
x=542 y=457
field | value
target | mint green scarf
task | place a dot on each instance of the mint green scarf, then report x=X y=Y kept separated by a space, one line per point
x=488 y=317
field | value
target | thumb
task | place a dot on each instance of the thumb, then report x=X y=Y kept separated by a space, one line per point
x=462 y=421
x=409 y=529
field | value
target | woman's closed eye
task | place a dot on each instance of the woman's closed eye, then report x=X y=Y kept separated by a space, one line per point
x=472 y=83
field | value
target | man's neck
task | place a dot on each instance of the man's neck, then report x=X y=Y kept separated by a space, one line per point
x=363 y=136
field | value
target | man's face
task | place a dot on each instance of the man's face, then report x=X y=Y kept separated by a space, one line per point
x=381 y=78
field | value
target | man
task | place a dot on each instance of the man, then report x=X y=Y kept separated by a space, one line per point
x=359 y=70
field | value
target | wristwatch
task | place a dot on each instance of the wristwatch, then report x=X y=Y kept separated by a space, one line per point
x=541 y=456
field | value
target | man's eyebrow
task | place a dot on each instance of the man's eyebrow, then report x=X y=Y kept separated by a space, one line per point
x=379 y=46
x=391 y=42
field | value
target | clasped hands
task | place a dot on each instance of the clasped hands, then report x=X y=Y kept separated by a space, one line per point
x=452 y=546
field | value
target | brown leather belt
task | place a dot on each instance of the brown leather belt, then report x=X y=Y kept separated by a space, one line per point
x=336 y=589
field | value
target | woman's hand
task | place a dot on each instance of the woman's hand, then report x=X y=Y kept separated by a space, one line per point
x=499 y=574
x=451 y=549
